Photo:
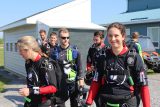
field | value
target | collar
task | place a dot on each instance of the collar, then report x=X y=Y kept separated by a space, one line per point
x=38 y=57
x=102 y=45
x=65 y=48
x=124 y=50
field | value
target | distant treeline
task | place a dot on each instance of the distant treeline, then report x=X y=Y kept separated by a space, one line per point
x=1 y=41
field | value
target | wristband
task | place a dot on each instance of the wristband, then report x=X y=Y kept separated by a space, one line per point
x=34 y=90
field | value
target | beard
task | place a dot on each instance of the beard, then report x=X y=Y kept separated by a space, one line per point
x=97 y=44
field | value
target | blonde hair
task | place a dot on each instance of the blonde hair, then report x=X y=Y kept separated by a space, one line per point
x=28 y=42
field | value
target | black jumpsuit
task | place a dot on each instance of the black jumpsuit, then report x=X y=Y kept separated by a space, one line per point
x=69 y=89
x=42 y=74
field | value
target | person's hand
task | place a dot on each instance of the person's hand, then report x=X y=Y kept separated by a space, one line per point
x=90 y=69
x=81 y=82
x=24 y=92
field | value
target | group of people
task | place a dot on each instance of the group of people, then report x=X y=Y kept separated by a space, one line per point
x=54 y=71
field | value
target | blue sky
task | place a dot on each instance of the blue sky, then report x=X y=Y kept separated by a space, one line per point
x=13 y=10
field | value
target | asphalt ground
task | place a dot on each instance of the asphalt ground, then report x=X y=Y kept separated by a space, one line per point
x=11 y=98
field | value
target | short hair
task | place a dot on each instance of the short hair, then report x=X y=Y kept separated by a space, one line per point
x=99 y=33
x=135 y=35
x=53 y=33
x=62 y=30
x=42 y=30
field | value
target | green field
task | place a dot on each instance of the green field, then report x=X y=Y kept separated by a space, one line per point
x=3 y=80
x=1 y=57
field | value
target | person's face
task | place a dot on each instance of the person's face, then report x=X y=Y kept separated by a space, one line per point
x=64 y=39
x=43 y=35
x=53 y=39
x=97 y=40
x=25 y=53
x=115 y=38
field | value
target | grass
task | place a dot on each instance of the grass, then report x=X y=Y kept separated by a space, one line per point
x=3 y=81
x=150 y=72
x=1 y=57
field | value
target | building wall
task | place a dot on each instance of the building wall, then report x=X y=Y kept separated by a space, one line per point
x=12 y=60
x=136 y=5
x=153 y=4
x=139 y=5
x=142 y=29
x=83 y=39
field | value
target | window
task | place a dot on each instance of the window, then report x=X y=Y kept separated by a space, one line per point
x=154 y=34
x=15 y=47
x=11 y=46
x=7 y=46
x=128 y=32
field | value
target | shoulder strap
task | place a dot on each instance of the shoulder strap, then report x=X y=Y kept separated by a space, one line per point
x=72 y=53
x=56 y=51
x=54 y=71
x=69 y=54
x=129 y=62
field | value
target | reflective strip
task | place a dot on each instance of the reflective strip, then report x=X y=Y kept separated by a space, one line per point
x=69 y=55
x=131 y=80
x=72 y=75
x=27 y=99
x=113 y=105
x=140 y=51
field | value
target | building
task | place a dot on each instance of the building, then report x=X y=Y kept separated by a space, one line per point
x=75 y=15
x=141 y=16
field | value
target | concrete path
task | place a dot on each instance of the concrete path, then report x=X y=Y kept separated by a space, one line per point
x=11 y=98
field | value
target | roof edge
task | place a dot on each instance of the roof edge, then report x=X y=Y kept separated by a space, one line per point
x=136 y=22
x=14 y=24
x=142 y=21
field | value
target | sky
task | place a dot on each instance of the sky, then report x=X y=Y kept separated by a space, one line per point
x=13 y=10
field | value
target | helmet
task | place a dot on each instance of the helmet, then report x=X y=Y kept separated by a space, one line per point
x=88 y=78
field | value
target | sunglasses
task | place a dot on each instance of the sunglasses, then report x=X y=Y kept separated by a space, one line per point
x=65 y=37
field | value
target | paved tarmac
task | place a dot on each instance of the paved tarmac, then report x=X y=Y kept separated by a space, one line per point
x=11 y=98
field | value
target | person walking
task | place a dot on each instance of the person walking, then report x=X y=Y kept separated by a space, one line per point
x=41 y=74
x=44 y=42
x=136 y=45
x=94 y=52
x=123 y=75
x=69 y=59
x=53 y=45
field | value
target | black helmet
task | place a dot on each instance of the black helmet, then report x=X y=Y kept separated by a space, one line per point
x=88 y=78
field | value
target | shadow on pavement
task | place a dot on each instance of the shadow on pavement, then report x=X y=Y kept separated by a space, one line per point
x=12 y=89
x=17 y=100
x=14 y=79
